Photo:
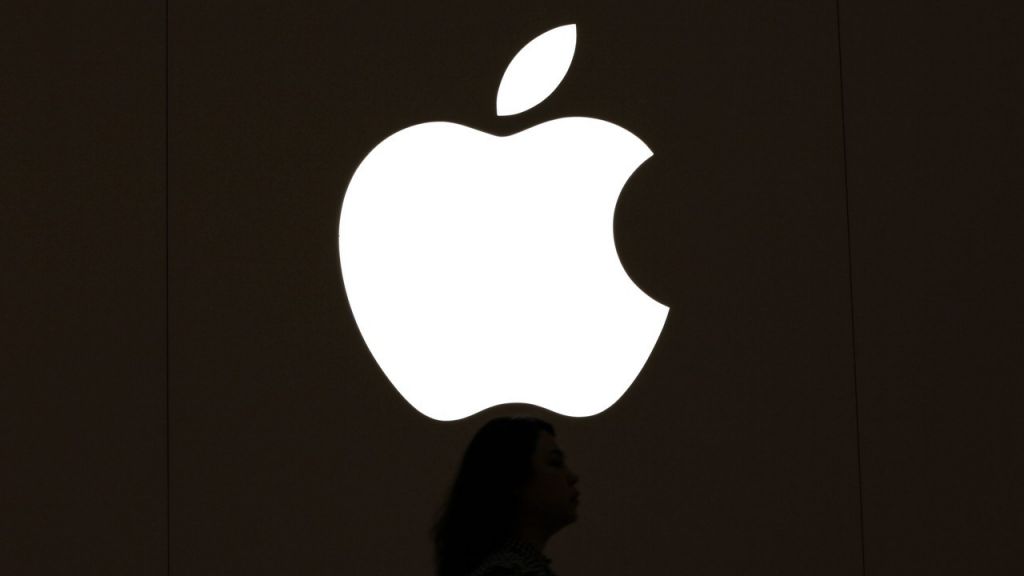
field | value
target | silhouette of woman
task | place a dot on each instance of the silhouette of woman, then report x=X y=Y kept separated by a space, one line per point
x=512 y=492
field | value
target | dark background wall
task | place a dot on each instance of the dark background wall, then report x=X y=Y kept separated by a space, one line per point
x=83 y=301
x=934 y=146
x=831 y=212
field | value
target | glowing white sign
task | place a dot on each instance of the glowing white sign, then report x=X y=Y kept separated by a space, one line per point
x=482 y=270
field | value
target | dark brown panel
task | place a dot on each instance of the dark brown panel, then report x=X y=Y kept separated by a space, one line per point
x=735 y=450
x=82 y=351
x=933 y=113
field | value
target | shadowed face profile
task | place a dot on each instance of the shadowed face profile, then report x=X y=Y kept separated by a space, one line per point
x=550 y=497
x=512 y=492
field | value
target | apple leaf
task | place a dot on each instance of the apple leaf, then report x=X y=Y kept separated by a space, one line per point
x=536 y=70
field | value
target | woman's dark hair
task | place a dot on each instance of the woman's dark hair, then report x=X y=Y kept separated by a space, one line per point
x=480 y=511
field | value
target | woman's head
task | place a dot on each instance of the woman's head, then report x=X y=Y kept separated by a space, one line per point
x=512 y=472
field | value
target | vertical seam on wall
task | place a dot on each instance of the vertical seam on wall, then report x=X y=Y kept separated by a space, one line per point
x=167 y=270
x=849 y=260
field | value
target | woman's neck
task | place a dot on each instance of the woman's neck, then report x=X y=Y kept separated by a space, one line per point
x=533 y=535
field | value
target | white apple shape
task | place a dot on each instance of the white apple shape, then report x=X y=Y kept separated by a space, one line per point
x=482 y=270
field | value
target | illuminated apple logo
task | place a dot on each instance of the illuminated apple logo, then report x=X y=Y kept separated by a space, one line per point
x=482 y=270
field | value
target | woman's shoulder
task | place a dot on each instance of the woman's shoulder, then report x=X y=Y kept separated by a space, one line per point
x=514 y=558
x=501 y=565
x=496 y=571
